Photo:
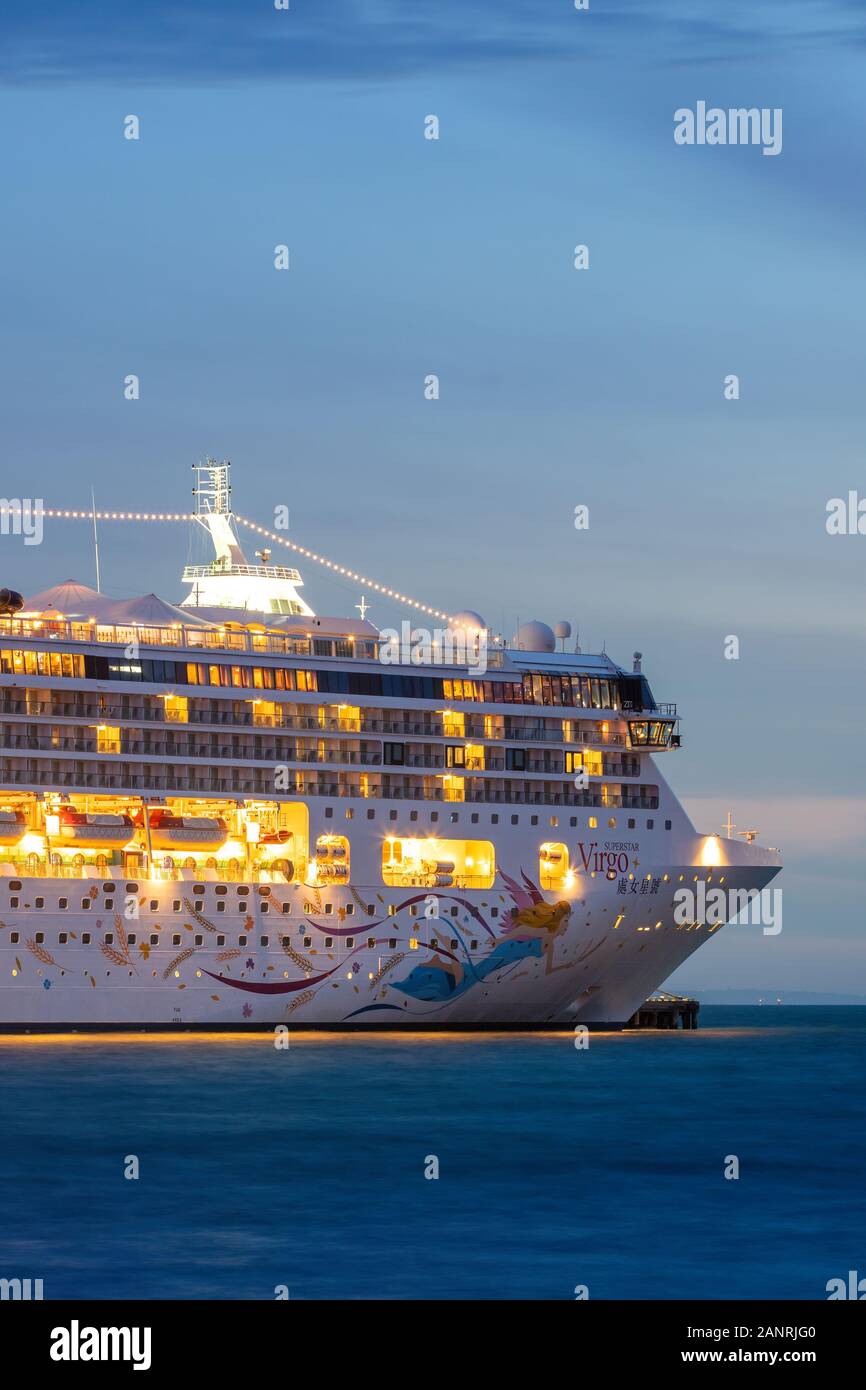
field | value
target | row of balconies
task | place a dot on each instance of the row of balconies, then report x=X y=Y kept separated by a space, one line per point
x=189 y=780
x=473 y=727
x=275 y=753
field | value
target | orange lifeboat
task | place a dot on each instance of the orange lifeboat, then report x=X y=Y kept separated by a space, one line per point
x=96 y=831
x=168 y=831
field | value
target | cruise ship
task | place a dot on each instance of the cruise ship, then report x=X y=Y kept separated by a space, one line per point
x=233 y=813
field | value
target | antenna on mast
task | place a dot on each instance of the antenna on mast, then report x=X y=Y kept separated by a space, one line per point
x=95 y=536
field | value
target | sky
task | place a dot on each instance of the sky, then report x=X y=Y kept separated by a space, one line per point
x=557 y=387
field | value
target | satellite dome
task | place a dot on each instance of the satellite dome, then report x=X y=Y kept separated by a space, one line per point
x=534 y=637
x=563 y=630
x=468 y=620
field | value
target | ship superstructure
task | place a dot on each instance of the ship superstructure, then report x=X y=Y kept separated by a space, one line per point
x=233 y=813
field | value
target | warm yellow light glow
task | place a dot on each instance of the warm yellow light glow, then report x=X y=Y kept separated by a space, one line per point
x=711 y=852
x=52 y=825
x=32 y=843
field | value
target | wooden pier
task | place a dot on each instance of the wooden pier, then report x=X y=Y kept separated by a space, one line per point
x=666 y=1011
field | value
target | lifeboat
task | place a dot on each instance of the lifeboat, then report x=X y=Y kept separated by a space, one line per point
x=168 y=831
x=276 y=837
x=97 y=831
x=13 y=827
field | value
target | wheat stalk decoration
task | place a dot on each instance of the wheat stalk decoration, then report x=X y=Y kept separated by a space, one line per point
x=184 y=955
x=301 y=961
x=194 y=909
x=40 y=953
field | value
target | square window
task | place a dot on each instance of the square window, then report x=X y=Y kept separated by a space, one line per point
x=198 y=940
x=572 y=821
x=392 y=815
x=329 y=908
x=220 y=907
x=350 y=908
x=474 y=818
x=263 y=941
x=175 y=907
x=349 y=813
x=350 y=942
x=371 y=814
x=473 y=945
x=667 y=825
x=631 y=823
x=392 y=943
x=533 y=820
x=154 y=905
x=650 y=824
x=494 y=819
x=434 y=815
x=454 y=911
x=63 y=938
x=85 y=938
x=494 y=912
x=329 y=941
x=132 y=938
x=109 y=938
x=14 y=938
x=455 y=816
x=13 y=902
x=40 y=937
x=329 y=812
x=154 y=940
x=40 y=902
x=371 y=943
x=221 y=941
x=413 y=815
x=175 y=940
x=515 y=820
x=86 y=904
x=242 y=941
x=63 y=903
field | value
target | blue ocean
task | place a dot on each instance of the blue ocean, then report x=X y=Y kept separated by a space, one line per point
x=557 y=1167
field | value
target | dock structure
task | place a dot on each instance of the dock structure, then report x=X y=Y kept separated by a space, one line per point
x=666 y=1011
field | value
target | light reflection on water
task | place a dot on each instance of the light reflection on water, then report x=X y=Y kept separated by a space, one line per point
x=558 y=1165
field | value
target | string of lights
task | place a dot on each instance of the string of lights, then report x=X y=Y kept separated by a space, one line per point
x=273 y=536
x=340 y=569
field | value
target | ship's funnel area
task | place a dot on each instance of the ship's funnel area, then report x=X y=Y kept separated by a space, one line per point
x=229 y=582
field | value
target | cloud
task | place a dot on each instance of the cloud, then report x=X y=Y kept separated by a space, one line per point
x=375 y=40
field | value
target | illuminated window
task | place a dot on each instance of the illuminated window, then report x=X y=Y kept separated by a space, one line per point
x=553 y=871
x=107 y=739
x=438 y=863
x=176 y=709
x=453 y=788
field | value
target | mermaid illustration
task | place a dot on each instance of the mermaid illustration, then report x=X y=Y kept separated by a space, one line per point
x=531 y=931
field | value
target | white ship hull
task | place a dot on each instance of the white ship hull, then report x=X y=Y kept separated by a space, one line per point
x=610 y=949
